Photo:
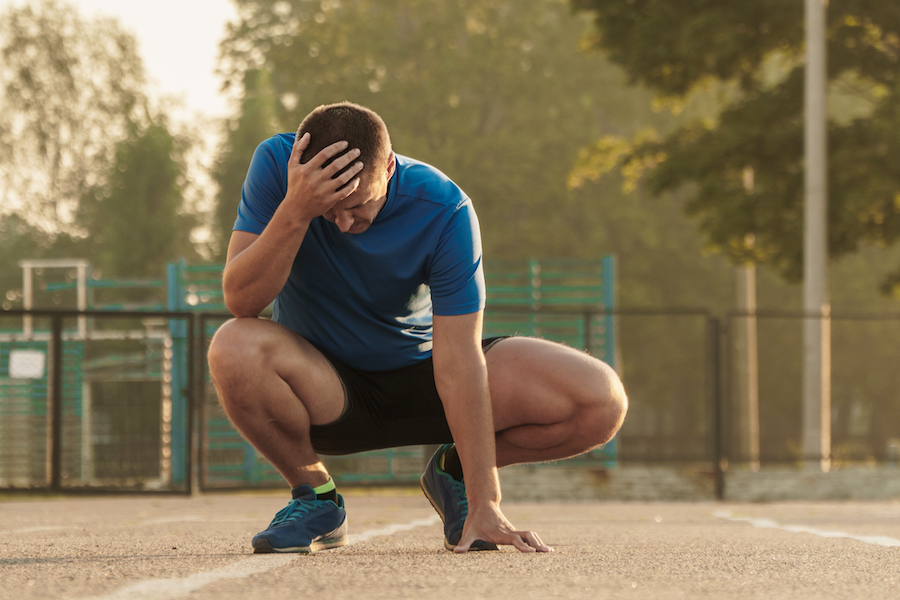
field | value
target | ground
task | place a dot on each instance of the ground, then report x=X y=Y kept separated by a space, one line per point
x=150 y=547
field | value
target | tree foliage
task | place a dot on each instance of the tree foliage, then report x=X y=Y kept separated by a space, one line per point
x=69 y=88
x=135 y=218
x=752 y=54
x=256 y=120
x=493 y=92
x=88 y=168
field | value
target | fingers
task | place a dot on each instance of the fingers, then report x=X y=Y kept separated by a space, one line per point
x=340 y=163
x=345 y=191
x=521 y=545
x=300 y=144
x=465 y=544
x=329 y=152
x=534 y=541
x=523 y=541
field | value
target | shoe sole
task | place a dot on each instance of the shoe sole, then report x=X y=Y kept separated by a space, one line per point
x=263 y=546
x=482 y=546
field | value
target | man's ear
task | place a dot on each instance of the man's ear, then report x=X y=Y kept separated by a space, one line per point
x=392 y=164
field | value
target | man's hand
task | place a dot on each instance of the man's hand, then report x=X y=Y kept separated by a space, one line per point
x=490 y=525
x=312 y=188
x=259 y=265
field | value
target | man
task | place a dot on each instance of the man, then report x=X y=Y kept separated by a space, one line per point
x=374 y=263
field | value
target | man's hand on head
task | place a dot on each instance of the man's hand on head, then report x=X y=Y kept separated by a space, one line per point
x=313 y=189
x=490 y=525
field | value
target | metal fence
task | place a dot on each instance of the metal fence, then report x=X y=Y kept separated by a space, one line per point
x=99 y=400
x=112 y=401
x=96 y=400
x=763 y=420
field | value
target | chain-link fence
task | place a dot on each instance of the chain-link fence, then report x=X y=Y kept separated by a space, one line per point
x=103 y=400
x=96 y=400
x=763 y=358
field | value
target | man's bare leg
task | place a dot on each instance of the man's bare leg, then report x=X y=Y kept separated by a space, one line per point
x=273 y=385
x=551 y=402
x=548 y=402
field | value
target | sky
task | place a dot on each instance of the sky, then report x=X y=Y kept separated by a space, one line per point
x=178 y=41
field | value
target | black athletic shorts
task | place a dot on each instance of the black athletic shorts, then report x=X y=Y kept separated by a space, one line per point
x=385 y=409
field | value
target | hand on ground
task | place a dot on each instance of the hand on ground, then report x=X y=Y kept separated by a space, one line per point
x=490 y=525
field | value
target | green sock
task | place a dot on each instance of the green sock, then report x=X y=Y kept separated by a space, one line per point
x=327 y=491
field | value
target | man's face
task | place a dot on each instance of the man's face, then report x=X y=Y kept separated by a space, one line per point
x=356 y=213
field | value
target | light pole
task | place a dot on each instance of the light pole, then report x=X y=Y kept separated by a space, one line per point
x=817 y=324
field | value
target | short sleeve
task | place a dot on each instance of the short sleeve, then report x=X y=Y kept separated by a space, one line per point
x=264 y=188
x=457 y=278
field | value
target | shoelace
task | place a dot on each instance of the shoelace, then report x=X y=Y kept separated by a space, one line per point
x=296 y=509
x=462 y=501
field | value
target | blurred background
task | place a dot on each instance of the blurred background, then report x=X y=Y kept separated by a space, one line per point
x=663 y=136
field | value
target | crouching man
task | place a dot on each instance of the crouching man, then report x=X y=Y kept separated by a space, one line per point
x=374 y=263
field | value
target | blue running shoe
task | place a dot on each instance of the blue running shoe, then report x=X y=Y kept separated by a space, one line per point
x=306 y=525
x=448 y=497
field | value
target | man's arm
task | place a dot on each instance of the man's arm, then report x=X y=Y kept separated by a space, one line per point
x=460 y=373
x=258 y=266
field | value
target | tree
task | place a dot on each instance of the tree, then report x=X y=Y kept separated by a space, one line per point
x=88 y=167
x=740 y=169
x=68 y=89
x=256 y=120
x=493 y=92
x=135 y=218
x=751 y=53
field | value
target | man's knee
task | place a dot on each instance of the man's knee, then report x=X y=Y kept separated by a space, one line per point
x=233 y=354
x=224 y=349
x=603 y=404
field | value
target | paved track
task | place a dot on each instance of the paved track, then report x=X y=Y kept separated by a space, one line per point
x=154 y=548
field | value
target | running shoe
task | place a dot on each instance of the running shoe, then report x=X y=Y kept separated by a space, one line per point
x=306 y=525
x=448 y=497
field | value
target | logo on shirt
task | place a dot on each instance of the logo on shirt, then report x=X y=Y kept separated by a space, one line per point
x=419 y=319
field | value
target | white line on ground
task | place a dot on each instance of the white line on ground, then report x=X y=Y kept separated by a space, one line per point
x=877 y=540
x=36 y=529
x=165 y=589
x=161 y=589
x=392 y=529
x=195 y=519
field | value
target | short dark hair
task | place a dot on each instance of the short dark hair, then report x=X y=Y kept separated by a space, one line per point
x=360 y=126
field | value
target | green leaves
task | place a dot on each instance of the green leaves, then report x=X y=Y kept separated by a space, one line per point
x=139 y=207
x=257 y=119
x=87 y=167
x=493 y=92
x=754 y=50
x=67 y=87
x=673 y=46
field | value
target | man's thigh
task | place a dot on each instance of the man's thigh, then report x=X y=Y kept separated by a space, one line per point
x=535 y=381
x=386 y=409
x=253 y=359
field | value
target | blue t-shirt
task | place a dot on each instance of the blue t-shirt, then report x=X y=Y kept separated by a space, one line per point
x=368 y=298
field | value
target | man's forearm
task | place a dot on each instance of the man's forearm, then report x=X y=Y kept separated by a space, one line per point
x=258 y=266
x=256 y=274
x=467 y=405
